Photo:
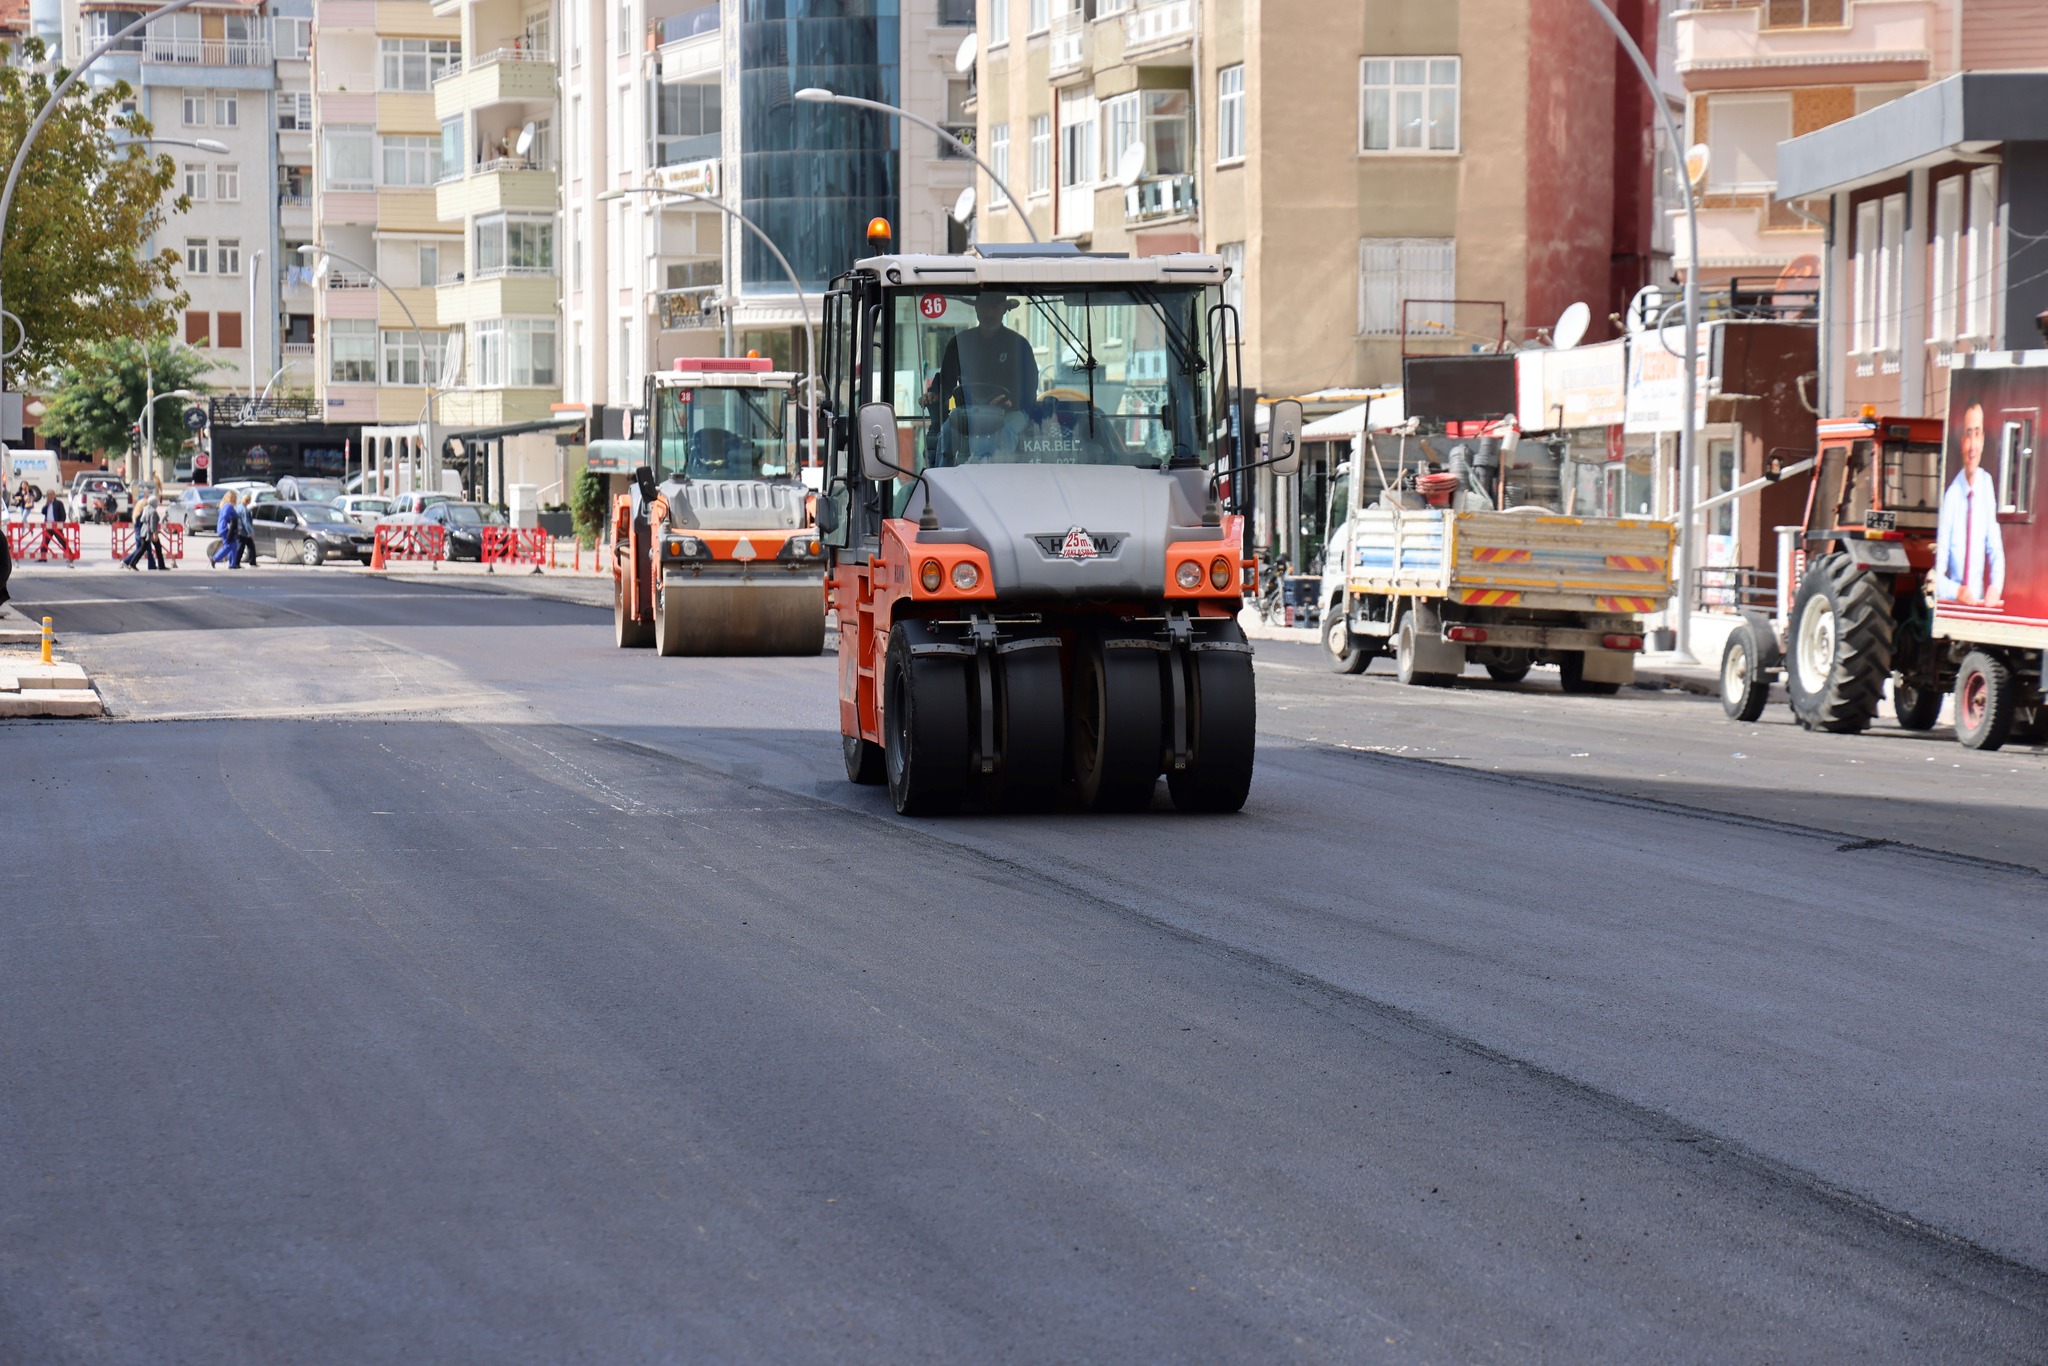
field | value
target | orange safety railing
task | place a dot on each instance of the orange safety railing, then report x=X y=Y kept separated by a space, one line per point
x=516 y=545
x=409 y=541
x=170 y=538
x=43 y=540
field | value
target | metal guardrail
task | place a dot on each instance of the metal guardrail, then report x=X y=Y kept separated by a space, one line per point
x=1734 y=588
x=243 y=52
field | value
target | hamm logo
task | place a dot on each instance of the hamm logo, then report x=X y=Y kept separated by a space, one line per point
x=1077 y=544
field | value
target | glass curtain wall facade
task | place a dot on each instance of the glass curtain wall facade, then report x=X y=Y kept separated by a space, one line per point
x=812 y=175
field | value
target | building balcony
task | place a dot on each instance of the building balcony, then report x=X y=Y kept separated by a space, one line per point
x=1727 y=43
x=1159 y=32
x=497 y=295
x=1159 y=198
x=509 y=75
x=301 y=351
x=1748 y=237
x=689 y=46
x=1067 y=52
x=206 y=52
x=507 y=183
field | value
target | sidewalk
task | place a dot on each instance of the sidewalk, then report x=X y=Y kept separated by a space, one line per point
x=29 y=687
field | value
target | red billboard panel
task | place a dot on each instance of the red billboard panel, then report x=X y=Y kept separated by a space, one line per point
x=1991 y=551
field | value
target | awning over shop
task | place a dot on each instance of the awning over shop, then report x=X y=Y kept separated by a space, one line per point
x=1964 y=113
x=615 y=457
x=551 y=424
x=1382 y=410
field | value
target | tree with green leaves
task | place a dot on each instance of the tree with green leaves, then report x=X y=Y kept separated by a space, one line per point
x=587 y=507
x=95 y=399
x=72 y=263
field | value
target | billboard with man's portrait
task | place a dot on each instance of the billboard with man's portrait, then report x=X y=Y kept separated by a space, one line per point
x=1990 y=562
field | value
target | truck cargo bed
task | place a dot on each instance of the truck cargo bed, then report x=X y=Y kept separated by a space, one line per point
x=1513 y=559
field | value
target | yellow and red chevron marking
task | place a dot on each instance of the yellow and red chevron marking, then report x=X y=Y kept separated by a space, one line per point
x=1490 y=597
x=1646 y=564
x=1498 y=554
x=1626 y=604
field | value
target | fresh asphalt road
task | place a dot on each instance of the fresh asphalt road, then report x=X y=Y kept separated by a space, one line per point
x=405 y=974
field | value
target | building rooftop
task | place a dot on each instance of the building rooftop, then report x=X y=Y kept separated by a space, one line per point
x=1964 y=113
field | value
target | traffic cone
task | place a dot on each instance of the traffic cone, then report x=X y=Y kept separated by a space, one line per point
x=377 y=554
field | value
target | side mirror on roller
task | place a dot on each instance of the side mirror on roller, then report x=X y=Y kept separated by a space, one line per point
x=876 y=429
x=1283 y=436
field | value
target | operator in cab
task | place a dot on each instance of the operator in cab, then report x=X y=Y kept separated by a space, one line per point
x=987 y=365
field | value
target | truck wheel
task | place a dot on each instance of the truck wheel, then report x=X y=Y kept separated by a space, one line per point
x=1344 y=652
x=1745 y=682
x=1031 y=731
x=1512 y=667
x=1838 y=651
x=924 y=729
x=1404 y=657
x=1984 y=701
x=1222 y=729
x=1917 y=708
x=1118 y=723
x=1571 y=676
x=864 y=761
x=627 y=633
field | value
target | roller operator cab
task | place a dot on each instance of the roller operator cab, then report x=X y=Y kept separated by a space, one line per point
x=714 y=551
x=1034 y=539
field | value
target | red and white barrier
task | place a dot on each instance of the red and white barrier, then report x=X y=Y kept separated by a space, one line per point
x=170 y=538
x=515 y=545
x=43 y=540
x=409 y=541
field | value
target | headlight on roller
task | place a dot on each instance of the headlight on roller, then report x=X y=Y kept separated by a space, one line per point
x=1188 y=576
x=931 y=574
x=685 y=548
x=966 y=577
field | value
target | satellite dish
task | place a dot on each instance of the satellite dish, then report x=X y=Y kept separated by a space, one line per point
x=1571 y=326
x=451 y=362
x=1637 y=315
x=1130 y=165
x=970 y=48
x=525 y=143
x=1697 y=158
x=963 y=207
x=321 y=266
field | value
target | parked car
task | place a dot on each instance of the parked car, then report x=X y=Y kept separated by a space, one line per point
x=307 y=533
x=251 y=490
x=89 y=495
x=363 y=509
x=412 y=504
x=306 y=488
x=465 y=523
x=198 y=508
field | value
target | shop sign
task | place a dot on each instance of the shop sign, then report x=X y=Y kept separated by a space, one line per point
x=1583 y=387
x=1656 y=380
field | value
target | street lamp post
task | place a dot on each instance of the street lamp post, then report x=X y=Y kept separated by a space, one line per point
x=803 y=306
x=819 y=95
x=35 y=129
x=146 y=419
x=430 y=453
x=1688 y=436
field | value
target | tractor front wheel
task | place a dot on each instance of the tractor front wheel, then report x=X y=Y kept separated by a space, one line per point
x=1839 y=650
x=1745 y=682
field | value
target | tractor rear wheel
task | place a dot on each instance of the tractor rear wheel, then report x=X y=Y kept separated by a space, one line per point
x=924 y=729
x=1984 y=701
x=1745 y=683
x=1222 y=728
x=1031 y=731
x=1839 y=648
x=1917 y=708
x=1118 y=724
x=627 y=633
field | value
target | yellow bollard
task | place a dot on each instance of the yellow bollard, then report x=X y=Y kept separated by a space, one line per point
x=48 y=636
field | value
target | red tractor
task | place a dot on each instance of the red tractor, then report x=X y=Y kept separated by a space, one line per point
x=1860 y=615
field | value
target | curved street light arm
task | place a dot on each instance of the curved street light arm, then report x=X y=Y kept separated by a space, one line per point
x=43 y=115
x=429 y=444
x=830 y=97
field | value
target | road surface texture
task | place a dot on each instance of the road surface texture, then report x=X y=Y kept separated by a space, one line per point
x=404 y=974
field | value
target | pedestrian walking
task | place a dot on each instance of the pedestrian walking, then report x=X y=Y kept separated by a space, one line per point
x=228 y=546
x=53 y=522
x=148 y=522
x=245 y=537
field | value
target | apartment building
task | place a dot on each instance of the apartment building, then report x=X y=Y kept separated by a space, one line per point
x=208 y=72
x=291 y=33
x=700 y=97
x=376 y=158
x=1406 y=177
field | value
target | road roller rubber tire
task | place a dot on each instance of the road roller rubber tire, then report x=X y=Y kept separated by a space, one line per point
x=1031 y=731
x=926 y=741
x=865 y=763
x=1222 y=730
x=1116 y=723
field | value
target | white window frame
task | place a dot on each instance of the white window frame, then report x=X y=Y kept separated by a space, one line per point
x=1981 y=285
x=1945 y=276
x=1041 y=156
x=1372 y=79
x=1891 y=280
x=360 y=135
x=999 y=162
x=194 y=108
x=198 y=181
x=503 y=350
x=398 y=353
x=227 y=256
x=1122 y=124
x=419 y=160
x=1078 y=145
x=499 y=230
x=295 y=111
x=1037 y=17
x=1721 y=163
x=1394 y=269
x=433 y=57
x=227 y=108
x=291 y=37
x=1230 y=116
x=1863 y=258
x=356 y=362
x=227 y=182
x=198 y=256
x=429 y=276
x=998 y=23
